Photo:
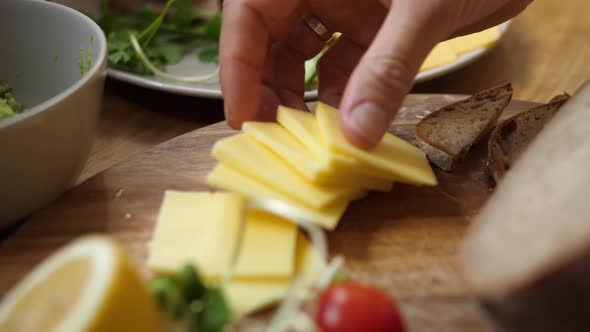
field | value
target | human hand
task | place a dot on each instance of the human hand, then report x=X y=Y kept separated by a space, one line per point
x=367 y=73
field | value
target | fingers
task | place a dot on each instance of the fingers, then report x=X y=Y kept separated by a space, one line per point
x=358 y=20
x=247 y=30
x=335 y=67
x=284 y=71
x=289 y=57
x=386 y=72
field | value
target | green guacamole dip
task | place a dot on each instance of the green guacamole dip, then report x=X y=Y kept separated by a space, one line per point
x=9 y=105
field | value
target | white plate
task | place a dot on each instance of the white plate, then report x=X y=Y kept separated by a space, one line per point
x=190 y=65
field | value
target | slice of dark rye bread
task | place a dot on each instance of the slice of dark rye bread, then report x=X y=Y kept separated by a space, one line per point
x=447 y=134
x=510 y=138
x=526 y=255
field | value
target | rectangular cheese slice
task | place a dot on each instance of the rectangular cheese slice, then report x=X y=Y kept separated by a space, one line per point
x=392 y=157
x=268 y=246
x=472 y=42
x=244 y=154
x=286 y=146
x=201 y=228
x=304 y=127
x=277 y=139
x=248 y=296
x=225 y=178
x=442 y=54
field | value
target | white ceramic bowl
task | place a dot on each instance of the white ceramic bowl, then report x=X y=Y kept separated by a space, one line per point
x=43 y=150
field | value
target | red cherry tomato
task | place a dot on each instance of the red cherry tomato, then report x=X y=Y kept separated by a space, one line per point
x=351 y=307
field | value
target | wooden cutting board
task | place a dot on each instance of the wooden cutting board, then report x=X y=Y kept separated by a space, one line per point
x=404 y=241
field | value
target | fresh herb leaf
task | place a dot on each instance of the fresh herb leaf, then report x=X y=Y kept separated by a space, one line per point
x=165 y=39
x=147 y=14
x=212 y=29
x=187 y=300
x=171 y=53
x=109 y=21
x=170 y=296
x=190 y=282
x=183 y=17
x=215 y=313
x=209 y=55
x=148 y=33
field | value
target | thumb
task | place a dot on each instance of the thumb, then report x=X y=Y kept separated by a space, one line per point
x=386 y=72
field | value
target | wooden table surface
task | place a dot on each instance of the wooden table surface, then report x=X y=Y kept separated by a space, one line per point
x=545 y=52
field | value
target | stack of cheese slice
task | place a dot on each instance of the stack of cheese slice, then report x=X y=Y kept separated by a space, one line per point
x=202 y=229
x=306 y=161
x=303 y=160
x=449 y=51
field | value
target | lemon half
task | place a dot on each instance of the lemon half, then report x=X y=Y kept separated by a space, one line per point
x=89 y=285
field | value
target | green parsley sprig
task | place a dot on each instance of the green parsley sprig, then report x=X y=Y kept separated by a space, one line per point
x=188 y=301
x=165 y=38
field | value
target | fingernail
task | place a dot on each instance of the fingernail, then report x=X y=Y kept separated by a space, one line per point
x=368 y=121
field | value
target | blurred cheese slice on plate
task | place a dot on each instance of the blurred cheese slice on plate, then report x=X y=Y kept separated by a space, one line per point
x=225 y=178
x=201 y=228
x=244 y=154
x=472 y=42
x=392 y=158
x=442 y=54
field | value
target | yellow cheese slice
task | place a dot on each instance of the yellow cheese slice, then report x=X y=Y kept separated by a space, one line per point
x=339 y=168
x=392 y=157
x=225 y=178
x=244 y=154
x=201 y=228
x=472 y=42
x=303 y=126
x=442 y=54
x=282 y=143
x=277 y=139
x=268 y=246
x=248 y=296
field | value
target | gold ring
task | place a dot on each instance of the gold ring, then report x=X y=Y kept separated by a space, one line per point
x=318 y=28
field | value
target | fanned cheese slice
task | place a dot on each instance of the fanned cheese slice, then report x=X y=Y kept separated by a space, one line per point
x=442 y=54
x=244 y=154
x=285 y=145
x=472 y=42
x=277 y=139
x=303 y=126
x=201 y=228
x=393 y=157
x=225 y=178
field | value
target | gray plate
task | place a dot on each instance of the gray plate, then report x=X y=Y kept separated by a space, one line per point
x=211 y=89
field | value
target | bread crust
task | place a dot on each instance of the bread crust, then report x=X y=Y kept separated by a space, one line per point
x=440 y=154
x=498 y=159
